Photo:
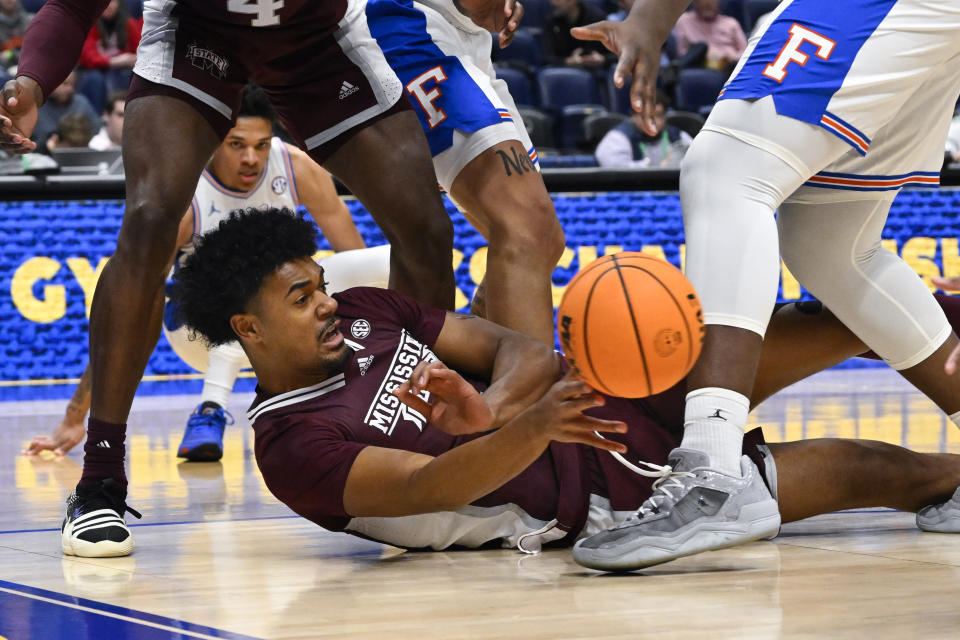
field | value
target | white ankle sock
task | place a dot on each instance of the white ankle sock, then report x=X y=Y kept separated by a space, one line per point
x=222 y=370
x=713 y=422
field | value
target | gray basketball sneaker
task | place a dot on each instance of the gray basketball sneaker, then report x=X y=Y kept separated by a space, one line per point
x=694 y=508
x=943 y=517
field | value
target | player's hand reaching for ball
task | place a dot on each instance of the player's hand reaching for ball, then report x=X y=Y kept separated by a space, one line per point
x=637 y=41
x=949 y=285
x=19 y=109
x=454 y=405
x=559 y=416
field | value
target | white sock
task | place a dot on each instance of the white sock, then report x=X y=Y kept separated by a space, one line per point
x=714 y=422
x=222 y=370
x=955 y=418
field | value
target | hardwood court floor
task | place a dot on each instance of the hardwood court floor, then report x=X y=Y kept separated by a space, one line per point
x=218 y=557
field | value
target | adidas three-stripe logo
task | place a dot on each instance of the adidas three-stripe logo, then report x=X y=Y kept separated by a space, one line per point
x=347 y=89
x=103 y=444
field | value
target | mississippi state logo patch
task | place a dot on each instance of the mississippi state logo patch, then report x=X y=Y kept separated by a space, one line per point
x=360 y=329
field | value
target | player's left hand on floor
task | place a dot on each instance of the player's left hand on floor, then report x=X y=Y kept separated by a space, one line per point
x=64 y=438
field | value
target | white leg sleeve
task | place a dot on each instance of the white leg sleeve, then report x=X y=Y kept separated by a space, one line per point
x=368 y=267
x=733 y=258
x=738 y=170
x=223 y=366
x=833 y=248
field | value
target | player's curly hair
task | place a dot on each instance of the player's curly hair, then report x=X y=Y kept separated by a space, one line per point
x=228 y=266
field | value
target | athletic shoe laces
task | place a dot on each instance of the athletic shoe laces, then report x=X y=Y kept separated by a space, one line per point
x=108 y=495
x=217 y=420
x=667 y=479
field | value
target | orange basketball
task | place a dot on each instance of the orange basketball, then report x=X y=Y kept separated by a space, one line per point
x=630 y=324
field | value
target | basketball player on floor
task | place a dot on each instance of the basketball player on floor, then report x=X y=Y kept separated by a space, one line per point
x=831 y=110
x=336 y=96
x=520 y=464
x=482 y=154
x=251 y=168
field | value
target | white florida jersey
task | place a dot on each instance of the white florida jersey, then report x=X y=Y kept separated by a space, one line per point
x=213 y=202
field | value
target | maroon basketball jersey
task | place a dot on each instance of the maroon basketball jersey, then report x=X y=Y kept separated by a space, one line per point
x=306 y=441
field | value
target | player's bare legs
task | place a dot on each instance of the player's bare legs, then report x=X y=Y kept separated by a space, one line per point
x=165 y=146
x=387 y=166
x=72 y=430
x=508 y=203
x=829 y=474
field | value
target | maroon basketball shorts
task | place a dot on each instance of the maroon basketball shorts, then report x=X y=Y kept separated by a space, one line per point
x=324 y=74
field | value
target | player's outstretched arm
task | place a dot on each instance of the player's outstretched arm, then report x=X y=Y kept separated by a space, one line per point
x=319 y=195
x=949 y=285
x=390 y=482
x=71 y=430
x=637 y=41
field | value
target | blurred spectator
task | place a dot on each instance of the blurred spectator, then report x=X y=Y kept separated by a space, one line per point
x=62 y=100
x=74 y=131
x=559 y=47
x=13 y=22
x=722 y=35
x=953 y=140
x=111 y=132
x=627 y=146
x=109 y=53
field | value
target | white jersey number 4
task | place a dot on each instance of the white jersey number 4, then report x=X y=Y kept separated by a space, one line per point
x=265 y=10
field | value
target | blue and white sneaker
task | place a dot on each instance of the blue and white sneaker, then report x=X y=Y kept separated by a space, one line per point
x=693 y=508
x=203 y=437
x=94 y=526
x=943 y=517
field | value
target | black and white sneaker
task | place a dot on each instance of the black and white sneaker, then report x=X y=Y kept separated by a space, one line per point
x=94 y=526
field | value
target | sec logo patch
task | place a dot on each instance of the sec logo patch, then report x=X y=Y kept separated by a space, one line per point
x=279 y=185
x=360 y=329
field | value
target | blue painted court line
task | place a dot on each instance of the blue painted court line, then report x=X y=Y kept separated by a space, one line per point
x=29 y=612
x=166 y=524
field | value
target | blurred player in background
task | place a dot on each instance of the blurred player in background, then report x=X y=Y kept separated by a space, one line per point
x=251 y=168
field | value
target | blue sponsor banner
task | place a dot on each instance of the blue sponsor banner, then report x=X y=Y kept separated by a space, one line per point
x=53 y=252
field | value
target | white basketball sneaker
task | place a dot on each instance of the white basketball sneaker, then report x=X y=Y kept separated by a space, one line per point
x=94 y=526
x=693 y=508
x=943 y=517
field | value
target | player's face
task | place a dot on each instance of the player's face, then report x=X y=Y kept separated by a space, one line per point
x=242 y=157
x=114 y=120
x=299 y=323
